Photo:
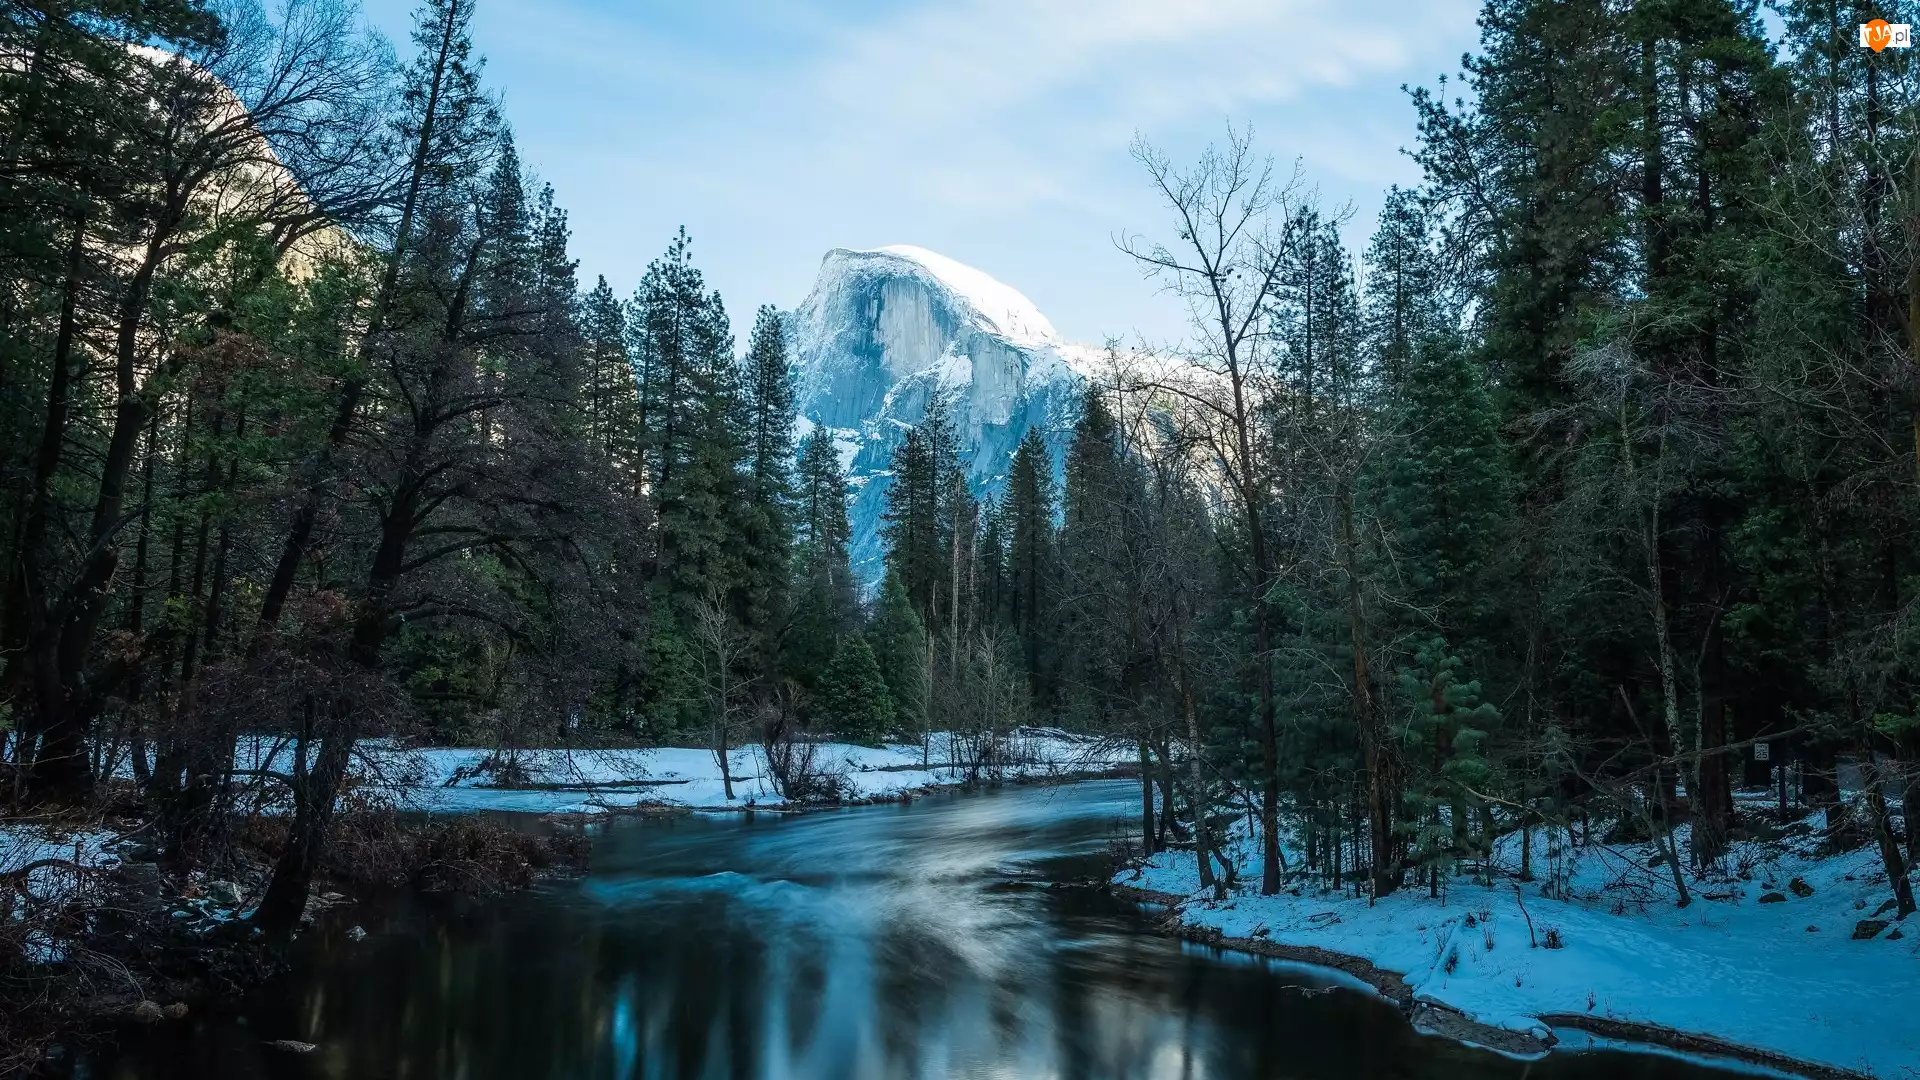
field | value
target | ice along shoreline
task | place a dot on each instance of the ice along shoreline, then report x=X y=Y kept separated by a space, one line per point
x=1442 y=1020
x=1753 y=974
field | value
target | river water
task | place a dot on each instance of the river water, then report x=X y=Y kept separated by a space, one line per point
x=925 y=941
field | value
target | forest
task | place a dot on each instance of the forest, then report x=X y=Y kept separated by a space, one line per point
x=1583 y=495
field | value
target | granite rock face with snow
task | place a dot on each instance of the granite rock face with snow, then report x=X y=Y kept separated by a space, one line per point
x=884 y=330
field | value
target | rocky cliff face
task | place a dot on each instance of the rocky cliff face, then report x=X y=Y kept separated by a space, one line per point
x=883 y=330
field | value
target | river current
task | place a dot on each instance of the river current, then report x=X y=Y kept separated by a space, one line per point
x=945 y=939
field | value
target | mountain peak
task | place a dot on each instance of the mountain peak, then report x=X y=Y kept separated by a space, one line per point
x=1006 y=308
x=885 y=329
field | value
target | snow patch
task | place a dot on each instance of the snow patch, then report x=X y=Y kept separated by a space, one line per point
x=454 y=780
x=1006 y=309
x=1784 y=976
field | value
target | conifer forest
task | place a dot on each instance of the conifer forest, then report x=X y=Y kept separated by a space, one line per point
x=1566 y=513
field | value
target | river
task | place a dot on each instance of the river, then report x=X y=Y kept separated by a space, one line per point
x=925 y=941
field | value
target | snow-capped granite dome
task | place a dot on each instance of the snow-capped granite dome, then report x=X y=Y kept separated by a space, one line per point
x=882 y=329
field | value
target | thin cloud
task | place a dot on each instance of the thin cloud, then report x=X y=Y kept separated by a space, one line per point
x=994 y=131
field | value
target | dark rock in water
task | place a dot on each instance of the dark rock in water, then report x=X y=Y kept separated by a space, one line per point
x=1799 y=888
x=1896 y=935
x=1867 y=928
x=1773 y=898
x=1886 y=907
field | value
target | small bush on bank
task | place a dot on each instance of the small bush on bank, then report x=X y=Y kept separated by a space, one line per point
x=374 y=847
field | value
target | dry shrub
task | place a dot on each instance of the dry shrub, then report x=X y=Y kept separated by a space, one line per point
x=473 y=854
x=49 y=966
x=374 y=847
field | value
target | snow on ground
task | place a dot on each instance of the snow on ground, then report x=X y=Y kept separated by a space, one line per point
x=1784 y=976
x=452 y=780
x=24 y=843
x=71 y=853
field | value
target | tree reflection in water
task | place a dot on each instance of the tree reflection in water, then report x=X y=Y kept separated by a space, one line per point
x=891 y=942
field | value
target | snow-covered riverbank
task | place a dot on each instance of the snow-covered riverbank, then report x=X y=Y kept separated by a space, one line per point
x=453 y=780
x=467 y=779
x=1766 y=959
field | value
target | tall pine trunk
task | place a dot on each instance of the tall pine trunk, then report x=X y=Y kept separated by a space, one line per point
x=1380 y=759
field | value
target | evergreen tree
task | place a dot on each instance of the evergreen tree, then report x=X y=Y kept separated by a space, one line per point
x=900 y=648
x=1447 y=735
x=693 y=413
x=825 y=604
x=767 y=555
x=993 y=595
x=852 y=701
x=1094 y=563
x=927 y=500
x=1444 y=493
x=693 y=416
x=610 y=398
x=1031 y=574
x=1529 y=174
x=1406 y=292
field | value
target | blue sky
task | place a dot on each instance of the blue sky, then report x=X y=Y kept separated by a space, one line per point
x=992 y=131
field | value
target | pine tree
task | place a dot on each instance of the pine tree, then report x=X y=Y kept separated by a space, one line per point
x=825 y=604
x=900 y=648
x=1447 y=735
x=611 y=398
x=1445 y=493
x=1031 y=573
x=767 y=555
x=927 y=499
x=1100 y=574
x=1406 y=293
x=1530 y=173
x=693 y=412
x=993 y=595
x=852 y=701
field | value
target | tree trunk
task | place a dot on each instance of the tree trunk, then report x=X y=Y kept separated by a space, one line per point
x=1169 y=821
x=64 y=774
x=1910 y=812
x=723 y=752
x=1890 y=856
x=67 y=775
x=315 y=789
x=294 y=549
x=1664 y=828
x=1383 y=782
x=1526 y=845
x=1202 y=833
x=1146 y=800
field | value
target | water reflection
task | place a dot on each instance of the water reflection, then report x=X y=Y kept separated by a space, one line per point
x=912 y=942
